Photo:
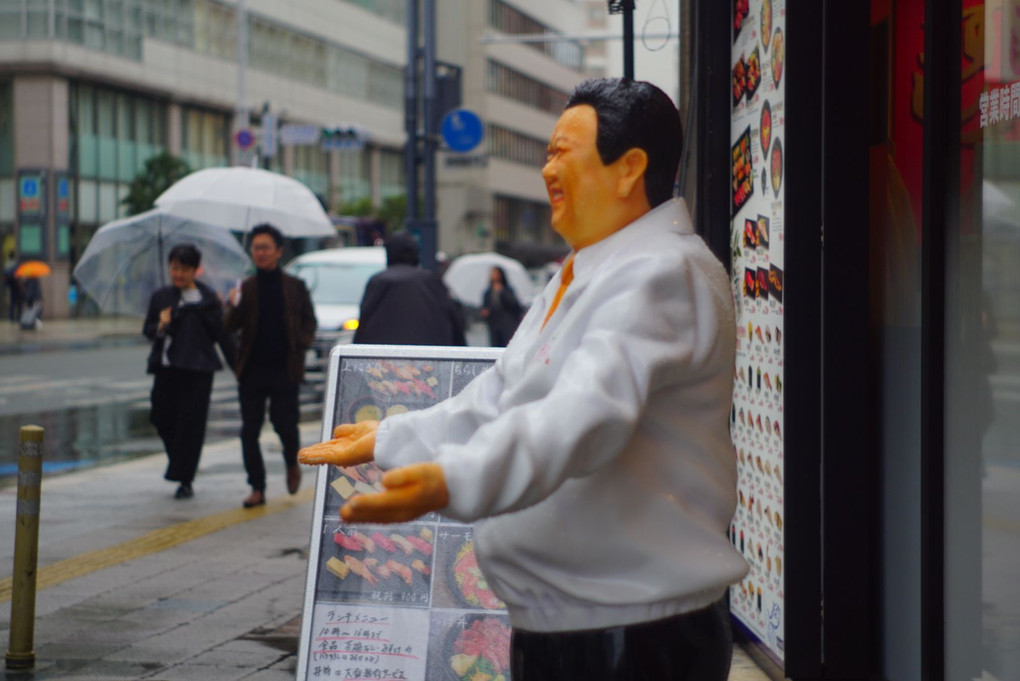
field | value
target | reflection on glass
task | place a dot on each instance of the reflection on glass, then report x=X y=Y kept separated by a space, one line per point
x=983 y=357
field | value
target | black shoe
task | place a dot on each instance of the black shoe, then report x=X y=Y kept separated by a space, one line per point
x=184 y=492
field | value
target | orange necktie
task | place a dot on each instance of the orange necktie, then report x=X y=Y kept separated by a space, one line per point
x=566 y=276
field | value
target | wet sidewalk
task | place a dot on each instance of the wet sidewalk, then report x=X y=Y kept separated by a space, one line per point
x=133 y=584
x=69 y=334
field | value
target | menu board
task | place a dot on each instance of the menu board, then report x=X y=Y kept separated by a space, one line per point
x=756 y=200
x=404 y=601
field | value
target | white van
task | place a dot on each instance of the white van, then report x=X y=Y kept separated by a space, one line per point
x=336 y=279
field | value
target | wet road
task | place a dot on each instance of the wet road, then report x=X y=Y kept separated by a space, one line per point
x=94 y=405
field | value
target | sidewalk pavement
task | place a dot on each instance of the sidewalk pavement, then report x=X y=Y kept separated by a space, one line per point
x=69 y=334
x=133 y=584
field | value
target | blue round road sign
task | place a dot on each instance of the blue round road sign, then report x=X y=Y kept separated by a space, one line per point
x=462 y=130
x=244 y=138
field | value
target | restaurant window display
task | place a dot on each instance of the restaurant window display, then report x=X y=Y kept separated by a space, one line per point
x=982 y=457
x=757 y=234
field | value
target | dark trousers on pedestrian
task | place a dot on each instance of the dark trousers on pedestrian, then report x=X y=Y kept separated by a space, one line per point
x=15 y=308
x=694 y=646
x=257 y=385
x=180 y=408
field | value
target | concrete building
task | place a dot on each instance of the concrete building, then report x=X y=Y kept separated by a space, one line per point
x=90 y=89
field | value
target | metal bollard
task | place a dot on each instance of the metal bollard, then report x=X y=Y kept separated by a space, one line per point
x=20 y=653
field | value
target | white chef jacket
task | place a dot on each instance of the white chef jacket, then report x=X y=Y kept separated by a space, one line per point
x=597 y=448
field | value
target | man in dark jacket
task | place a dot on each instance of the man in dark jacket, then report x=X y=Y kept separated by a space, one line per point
x=274 y=314
x=406 y=305
x=184 y=323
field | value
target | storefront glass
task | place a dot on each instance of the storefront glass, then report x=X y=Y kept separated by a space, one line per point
x=896 y=162
x=982 y=433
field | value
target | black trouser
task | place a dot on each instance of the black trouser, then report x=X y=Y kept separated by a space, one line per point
x=257 y=385
x=180 y=408
x=695 y=646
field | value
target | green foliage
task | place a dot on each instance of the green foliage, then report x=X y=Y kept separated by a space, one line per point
x=160 y=171
x=392 y=211
x=359 y=208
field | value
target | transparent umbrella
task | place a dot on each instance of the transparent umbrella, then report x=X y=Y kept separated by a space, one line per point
x=468 y=277
x=239 y=198
x=126 y=260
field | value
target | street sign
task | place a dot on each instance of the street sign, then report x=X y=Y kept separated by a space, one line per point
x=268 y=134
x=244 y=138
x=293 y=135
x=462 y=130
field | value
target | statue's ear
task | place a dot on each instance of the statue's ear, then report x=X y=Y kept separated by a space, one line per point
x=632 y=167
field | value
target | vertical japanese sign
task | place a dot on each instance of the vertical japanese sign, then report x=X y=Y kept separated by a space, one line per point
x=402 y=601
x=757 y=234
x=32 y=212
x=62 y=212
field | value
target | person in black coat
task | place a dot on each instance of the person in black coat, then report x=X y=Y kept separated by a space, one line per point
x=407 y=305
x=184 y=323
x=500 y=309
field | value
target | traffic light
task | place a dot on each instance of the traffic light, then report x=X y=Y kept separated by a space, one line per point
x=343 y=137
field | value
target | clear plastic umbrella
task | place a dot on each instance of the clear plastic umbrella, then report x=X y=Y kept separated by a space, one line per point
x=239 y=198
x=126 y=260
x=468 y=277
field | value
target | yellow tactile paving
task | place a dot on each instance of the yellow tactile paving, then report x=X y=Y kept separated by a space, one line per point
x=153 y=542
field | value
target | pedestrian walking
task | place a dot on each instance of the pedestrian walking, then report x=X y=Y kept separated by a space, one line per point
x=500 y=308
x=185 y=323
x=594 y=457
x=407 y=305
x=15 y=294
x=274 y=314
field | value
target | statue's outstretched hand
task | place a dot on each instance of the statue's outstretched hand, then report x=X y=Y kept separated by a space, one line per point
x=411 y=491
x=352 y=443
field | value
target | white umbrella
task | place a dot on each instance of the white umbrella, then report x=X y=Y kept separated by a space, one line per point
x=125 y=261
x=239 y=198
x=468 y=277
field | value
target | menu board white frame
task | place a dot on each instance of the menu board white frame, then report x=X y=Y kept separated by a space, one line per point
x=412 y=619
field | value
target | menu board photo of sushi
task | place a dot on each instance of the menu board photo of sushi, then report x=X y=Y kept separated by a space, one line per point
x=757 y=238
x=403 y=601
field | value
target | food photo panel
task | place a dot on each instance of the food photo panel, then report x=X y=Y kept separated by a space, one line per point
x=384 y=564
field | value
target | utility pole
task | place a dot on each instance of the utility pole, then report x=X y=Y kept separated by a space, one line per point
x=411 y=113
x=626 y=7
x=421 y=139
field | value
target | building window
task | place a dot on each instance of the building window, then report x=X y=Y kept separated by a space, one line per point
x=391 y=174
x=512 y=84
x=112 y=135
x=353 y=182
x=394 y=10
x=521 y=221
x=512 y=21
x=513 y=146
x=204 y=138
x=284 y=52
x=311 y=166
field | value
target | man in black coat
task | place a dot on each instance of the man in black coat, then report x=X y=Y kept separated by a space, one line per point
x=274 y=314
x=406 y=305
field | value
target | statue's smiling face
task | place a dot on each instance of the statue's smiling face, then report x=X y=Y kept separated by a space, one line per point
x=579 y=185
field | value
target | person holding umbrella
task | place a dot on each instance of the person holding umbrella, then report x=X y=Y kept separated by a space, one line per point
x=184 y=323
x=274 y=313
x=500 y=308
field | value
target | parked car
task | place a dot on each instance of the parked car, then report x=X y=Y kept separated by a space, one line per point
x=336 y=279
